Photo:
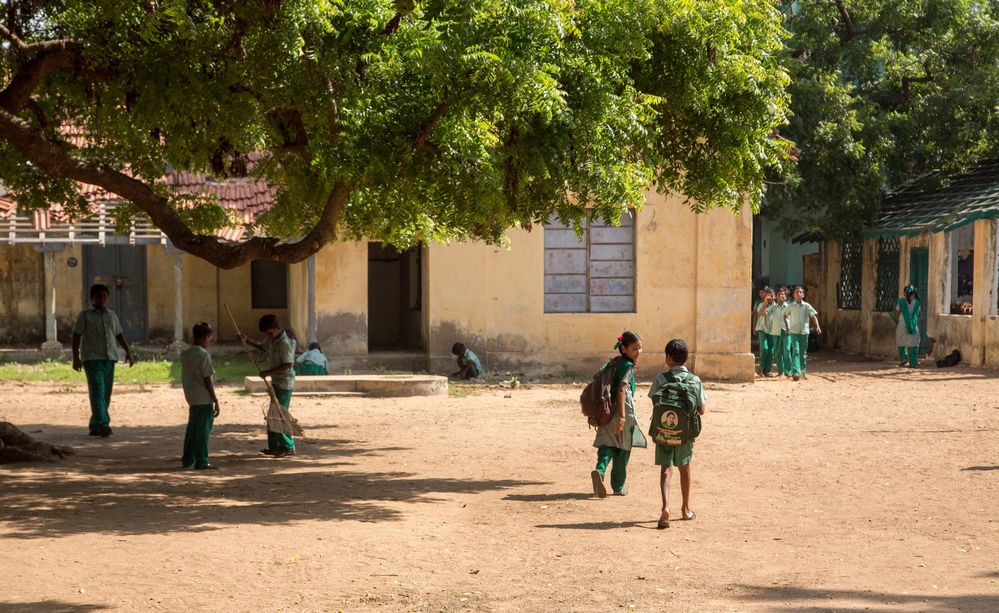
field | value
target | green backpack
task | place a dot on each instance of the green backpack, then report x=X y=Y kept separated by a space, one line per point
x=675 y=420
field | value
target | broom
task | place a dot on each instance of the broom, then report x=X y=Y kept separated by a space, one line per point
x=278 y=419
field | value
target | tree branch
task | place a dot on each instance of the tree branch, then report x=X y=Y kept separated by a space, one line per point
x=420 y=141
x=851 y=30
x=48 y=57
x=55 y=160
x=13 y=39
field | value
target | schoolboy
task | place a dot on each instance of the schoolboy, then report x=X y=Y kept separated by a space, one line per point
x=668 y=456
x=798 y=314
x=95 y=333
x=197 y=377
x=469 y=366
x=280 y=358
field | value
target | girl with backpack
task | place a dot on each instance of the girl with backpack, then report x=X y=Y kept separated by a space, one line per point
x=615 y=440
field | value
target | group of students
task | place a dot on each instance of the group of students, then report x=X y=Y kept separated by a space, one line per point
x=615 y=440
x=98 y=332
x=782 y=329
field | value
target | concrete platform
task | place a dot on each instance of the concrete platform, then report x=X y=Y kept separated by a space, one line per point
x=370 y=385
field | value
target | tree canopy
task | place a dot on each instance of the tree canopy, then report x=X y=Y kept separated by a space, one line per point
x=883 y=92
x=398 y=120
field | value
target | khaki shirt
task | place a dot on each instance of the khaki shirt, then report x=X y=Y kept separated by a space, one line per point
x=195 y=366
x=98 y=332
x=280 y=351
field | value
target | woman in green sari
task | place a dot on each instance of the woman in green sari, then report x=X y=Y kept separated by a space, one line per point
x=907 y=330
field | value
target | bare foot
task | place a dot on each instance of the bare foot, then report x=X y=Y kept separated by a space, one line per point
x=663 y=521
x=687 y=514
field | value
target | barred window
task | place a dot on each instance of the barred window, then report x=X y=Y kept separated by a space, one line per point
x=592 y=274
x=962 y=269
x=887 y=289
x=848 y=291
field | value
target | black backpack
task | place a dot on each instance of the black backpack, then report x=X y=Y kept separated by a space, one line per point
x=675 y=420
x=595 y=401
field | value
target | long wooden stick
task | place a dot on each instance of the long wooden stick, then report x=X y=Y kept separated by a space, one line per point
x=270 y=390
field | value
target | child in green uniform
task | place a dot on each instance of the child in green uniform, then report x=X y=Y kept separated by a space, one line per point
x=777 y=330
x=196 y=370
x=763 y=320
x=799 y=313
x=311 y=362
x=907 y=327
x=469 y=366
x=668 y=456
x=96 y=331
x=615 y=440
x=280 y=357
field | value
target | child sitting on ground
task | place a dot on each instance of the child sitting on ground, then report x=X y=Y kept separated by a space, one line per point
x=668 y=456
x=312 y=362
x=197 y=371
x=469 y=366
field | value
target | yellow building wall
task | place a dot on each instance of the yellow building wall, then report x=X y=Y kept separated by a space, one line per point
x=22 y=318
x=341 y=298
x=71 y=295
x=692 y=276
x=160 y=283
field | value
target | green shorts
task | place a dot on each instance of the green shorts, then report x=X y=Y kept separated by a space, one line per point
x=679 y=455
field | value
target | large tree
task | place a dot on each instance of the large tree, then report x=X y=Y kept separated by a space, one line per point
x=883 y=91
x=400 y=120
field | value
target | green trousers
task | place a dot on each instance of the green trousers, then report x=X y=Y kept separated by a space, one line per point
x=100 y=380
x=766 y=351
x=279 y=440
x=913 y=353
x=619 y=468
x=778 y=343
x=799 y=353
x=199 y=426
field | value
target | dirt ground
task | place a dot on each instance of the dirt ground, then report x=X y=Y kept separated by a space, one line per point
x=865 y=488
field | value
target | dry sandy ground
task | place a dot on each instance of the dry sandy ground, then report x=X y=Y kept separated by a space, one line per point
x=864 y=488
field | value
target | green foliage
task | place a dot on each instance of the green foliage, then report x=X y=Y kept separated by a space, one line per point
x=447 y=119
x=881 y=94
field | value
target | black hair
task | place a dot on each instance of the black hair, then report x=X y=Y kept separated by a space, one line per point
x=676 y=349
x=797 y=287
x=290 y=334
x=268 y=322
x=315 y=345
x=769 y=290
x=458 y=348
x=97 y=288
x=628 y=338
x=201 y=330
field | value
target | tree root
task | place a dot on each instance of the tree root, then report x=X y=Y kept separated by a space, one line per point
x=16 y=446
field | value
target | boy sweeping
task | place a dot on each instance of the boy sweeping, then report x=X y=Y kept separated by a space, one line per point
x=280 y=359
x=197 y=373
x=96 y=331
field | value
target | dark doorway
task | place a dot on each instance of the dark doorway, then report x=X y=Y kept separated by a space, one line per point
x=395 y=298
x=123 y=269
x=919 y=275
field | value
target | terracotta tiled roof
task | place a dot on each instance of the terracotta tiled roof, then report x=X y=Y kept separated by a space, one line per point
x=247 y=198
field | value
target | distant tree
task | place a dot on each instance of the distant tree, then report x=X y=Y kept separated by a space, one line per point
x=882 y=91
x=401 y=120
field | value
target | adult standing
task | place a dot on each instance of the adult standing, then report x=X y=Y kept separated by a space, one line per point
x=907 y=329
x=96 y=331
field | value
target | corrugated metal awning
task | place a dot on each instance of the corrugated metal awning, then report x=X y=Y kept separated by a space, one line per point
x=927 y=206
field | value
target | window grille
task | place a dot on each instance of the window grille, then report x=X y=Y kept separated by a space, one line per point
x=887 y=289
x=850 y=271
x=592 y=274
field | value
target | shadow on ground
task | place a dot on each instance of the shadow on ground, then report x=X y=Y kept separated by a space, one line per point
x=49 y=606
x=125 y=485
x=791 y=598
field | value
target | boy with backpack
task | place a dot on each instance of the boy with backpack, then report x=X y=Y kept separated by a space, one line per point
x=678 y=401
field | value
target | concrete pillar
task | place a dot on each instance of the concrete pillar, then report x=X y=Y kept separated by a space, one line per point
x=178 y=344
x=868 y=290
x=51 y=346
x=982 y=297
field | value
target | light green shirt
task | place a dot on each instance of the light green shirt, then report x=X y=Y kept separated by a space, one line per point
x=798 y=317
x=280 y=351
x=195 y=366
x=98 y=332
x=761 y=325
x=775 y=319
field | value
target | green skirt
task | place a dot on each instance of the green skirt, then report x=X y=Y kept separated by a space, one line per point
x=674 y=455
